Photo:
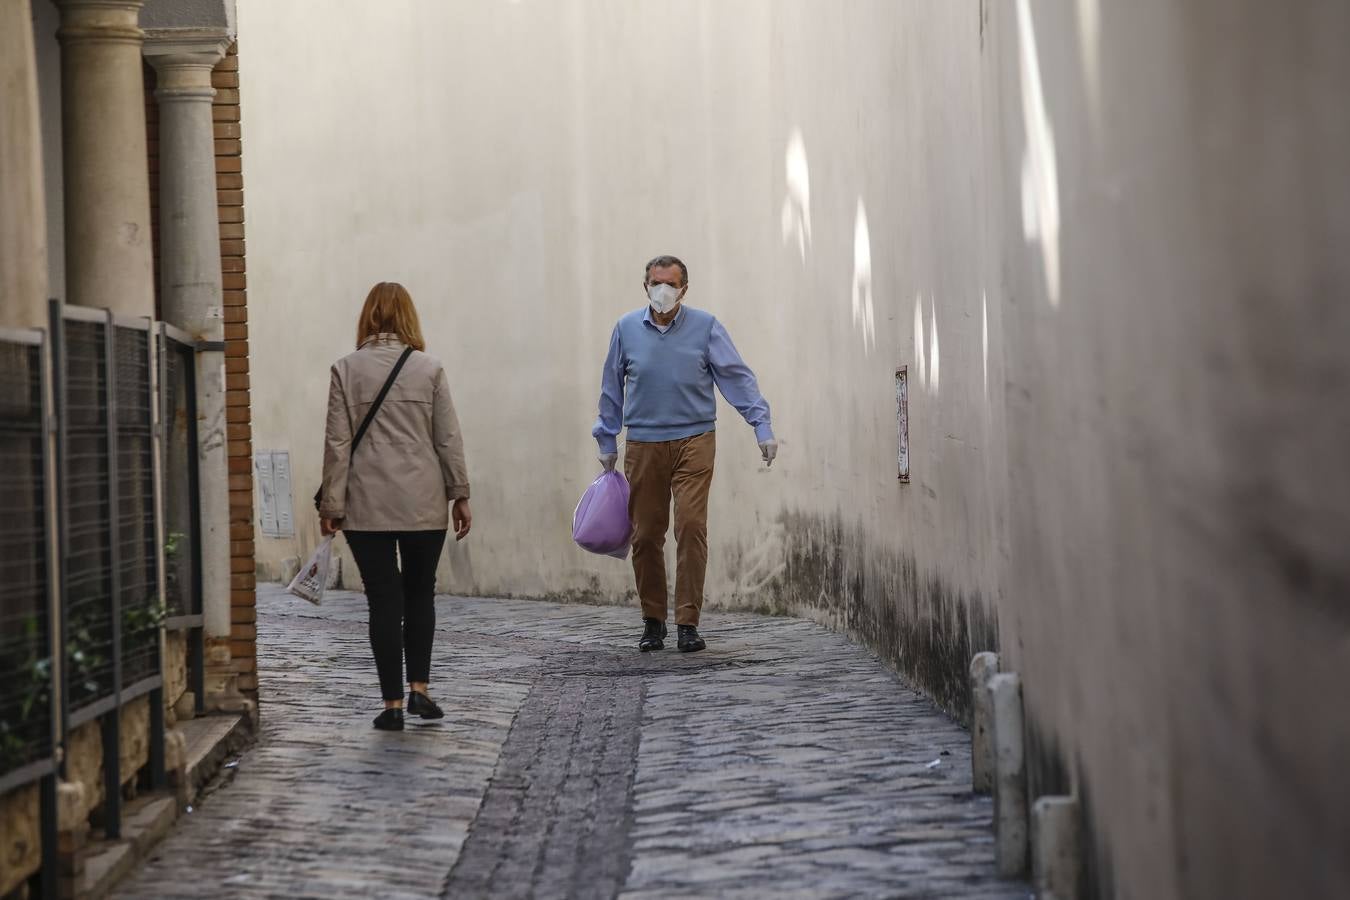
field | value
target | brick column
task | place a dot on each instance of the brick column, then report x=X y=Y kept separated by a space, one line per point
x=239 y=428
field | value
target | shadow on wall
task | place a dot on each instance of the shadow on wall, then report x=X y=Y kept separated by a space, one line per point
x=836 y=573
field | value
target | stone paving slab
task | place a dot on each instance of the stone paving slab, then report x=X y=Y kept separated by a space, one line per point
x=784 y=761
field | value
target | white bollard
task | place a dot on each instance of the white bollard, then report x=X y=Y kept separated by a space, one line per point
x=1010 y=781
x=1054 y=848
x=982 y=668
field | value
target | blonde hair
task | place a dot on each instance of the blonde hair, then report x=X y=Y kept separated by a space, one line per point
x=389 y=310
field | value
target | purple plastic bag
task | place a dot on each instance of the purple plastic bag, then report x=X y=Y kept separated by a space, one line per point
x=600 y=523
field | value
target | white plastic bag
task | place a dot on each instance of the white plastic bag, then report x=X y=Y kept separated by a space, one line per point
x=312 y=578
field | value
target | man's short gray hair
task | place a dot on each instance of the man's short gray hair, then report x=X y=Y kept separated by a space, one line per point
x=665 y=262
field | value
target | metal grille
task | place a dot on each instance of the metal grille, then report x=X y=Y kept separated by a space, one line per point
x=135 y=523
x=89 y=632
x=25 y=663
x=179 y=453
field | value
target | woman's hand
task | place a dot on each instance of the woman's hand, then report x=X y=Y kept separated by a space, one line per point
x=461 y=517
x=329 y=526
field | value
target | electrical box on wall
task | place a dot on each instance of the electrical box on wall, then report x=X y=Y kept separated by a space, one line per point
x=902 y=421
x=272 y=472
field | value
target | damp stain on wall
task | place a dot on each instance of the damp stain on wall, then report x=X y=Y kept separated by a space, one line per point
x=919 y=623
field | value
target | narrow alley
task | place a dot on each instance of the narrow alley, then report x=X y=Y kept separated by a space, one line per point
x=786 y=762
x=912 y=437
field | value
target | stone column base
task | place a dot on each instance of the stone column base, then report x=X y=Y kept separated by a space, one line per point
x=72 y=836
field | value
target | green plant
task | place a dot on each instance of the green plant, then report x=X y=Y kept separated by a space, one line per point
x=148 y=616
x=32 y=691
x=85 y=654
x=174 y=543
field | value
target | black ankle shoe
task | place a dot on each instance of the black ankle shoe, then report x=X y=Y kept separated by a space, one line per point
x=653 y=636
x=390 y=720
x=689 y=641
x=420 y=704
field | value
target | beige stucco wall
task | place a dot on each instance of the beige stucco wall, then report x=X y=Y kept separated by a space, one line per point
x=520 y=205
x=1178 y=570
x=23 y=239
x=1108 y=241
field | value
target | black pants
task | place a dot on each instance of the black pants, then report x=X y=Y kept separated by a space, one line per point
x=402 y=604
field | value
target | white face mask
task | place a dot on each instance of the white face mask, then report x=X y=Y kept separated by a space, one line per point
x=663 y=297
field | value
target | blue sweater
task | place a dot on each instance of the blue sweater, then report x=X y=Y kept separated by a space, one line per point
x=660 y=383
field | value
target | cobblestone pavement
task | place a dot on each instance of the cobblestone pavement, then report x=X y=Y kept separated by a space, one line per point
x=782 y=762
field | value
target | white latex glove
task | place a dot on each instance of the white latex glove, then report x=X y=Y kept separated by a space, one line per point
x=769 y=450
x=608 y=460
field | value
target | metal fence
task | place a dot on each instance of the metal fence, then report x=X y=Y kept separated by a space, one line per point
x=28 y=748
x=100 y=542
x=136 y=525
x=110 y=592
x=86 y=532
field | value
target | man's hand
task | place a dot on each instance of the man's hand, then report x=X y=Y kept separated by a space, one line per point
x=769 y=450
x=329 y=526
x=608 y=460
x=462 y=518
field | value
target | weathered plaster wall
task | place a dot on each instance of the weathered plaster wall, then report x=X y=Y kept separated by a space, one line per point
x=520 y=213
x=1107 y=241
x=1178 y=569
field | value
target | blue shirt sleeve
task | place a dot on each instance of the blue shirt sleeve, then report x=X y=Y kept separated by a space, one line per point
x=737 y=383
x=610 y=421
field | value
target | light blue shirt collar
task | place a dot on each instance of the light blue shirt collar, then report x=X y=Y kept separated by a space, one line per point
x=679 y=314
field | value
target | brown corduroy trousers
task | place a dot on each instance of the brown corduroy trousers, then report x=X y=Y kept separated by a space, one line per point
x=656 y=471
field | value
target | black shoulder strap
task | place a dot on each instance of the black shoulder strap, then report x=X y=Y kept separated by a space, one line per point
x=379 y=398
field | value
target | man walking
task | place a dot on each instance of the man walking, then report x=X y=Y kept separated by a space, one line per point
x=658 y=381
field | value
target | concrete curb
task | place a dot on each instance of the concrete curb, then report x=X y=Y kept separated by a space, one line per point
x=201 y=746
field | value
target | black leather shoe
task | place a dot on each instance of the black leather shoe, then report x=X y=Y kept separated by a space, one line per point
x=689 y=641
x=421 y=705
x=390 y=720
x=653 y=636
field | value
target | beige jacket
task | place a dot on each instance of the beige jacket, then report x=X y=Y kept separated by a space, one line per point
x=410 y=463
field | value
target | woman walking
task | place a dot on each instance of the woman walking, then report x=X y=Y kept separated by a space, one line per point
x=393 y=462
